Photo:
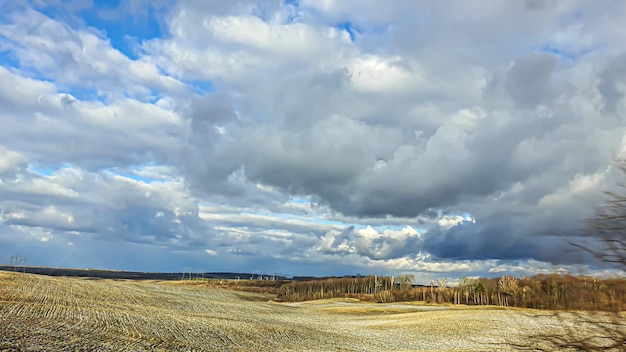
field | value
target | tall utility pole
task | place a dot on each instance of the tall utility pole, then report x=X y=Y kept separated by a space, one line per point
x=23 y=261
x=15 y=261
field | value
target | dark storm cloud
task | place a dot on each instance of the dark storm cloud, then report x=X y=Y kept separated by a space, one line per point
x=477 y=118
x=204 y=160
x=611 y=85
x=528 y=81
x=509 y=113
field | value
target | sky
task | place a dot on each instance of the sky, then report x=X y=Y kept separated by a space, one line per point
x=310 y=137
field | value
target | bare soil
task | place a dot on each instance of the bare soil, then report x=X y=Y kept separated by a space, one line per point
x=42 y=313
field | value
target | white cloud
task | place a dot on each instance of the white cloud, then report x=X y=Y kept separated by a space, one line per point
x=449 y=221
x=339 y=133
x=86 y=133
x=251 y=31
x=374 y=74
x=579 y=188
x=10 y=161
x=81 y=57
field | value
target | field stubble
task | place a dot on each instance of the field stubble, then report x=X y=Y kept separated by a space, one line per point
x=39 y=313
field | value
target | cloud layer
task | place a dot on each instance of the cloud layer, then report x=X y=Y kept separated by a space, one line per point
x=307 y=137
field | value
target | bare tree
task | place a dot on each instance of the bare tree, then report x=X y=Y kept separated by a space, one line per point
x=606 y=241
x=466 y=287
x=441 y=287
x=507 y=288
x=606 y=230
x=405 y=280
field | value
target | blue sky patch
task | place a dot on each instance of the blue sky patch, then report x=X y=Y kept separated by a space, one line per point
x=8 y=58
x=567 y=54
x=201 y=87
x=300 y=200
x=115 y=19
x=47 y=169
x=350 y=28
x=85 y=94
x=134 y=173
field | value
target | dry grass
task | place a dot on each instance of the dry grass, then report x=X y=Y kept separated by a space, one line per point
x=39 y=313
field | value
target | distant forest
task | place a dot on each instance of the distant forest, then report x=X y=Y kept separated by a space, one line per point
x=540 y=291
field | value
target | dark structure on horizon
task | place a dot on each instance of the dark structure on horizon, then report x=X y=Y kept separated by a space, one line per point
x=134 y=275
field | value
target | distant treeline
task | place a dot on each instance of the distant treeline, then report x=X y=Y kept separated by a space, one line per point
x=255 y=285
x=540 y=291
x=135 y=275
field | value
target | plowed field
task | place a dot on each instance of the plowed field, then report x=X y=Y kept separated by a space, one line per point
x=40 y=313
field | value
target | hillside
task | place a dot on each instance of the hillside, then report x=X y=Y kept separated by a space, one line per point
x=41 y=313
